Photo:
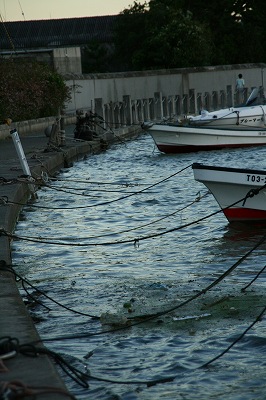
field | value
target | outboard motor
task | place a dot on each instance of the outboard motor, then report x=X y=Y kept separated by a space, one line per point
x=253 y=97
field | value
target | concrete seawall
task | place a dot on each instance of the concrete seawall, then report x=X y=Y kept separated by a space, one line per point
x=38 y=371
x=33 y=125
x=113 y=88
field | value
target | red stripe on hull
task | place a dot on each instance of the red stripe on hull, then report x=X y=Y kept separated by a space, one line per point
x=244 y=214
x=173 y=149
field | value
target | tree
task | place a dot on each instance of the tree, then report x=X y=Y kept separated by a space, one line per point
x=237 y=28
x=178 y=42
x=97 y=57
x=130 y=34
x=185 y=33
x=250 y=17
x=30 y=90
x=161 y=36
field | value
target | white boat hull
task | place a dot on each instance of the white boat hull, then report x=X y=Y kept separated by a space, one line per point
x=243 y=118
x=182 y=139
x=235 y=188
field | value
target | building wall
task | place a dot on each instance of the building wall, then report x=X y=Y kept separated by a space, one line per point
x=67 y=60
x=142 y=85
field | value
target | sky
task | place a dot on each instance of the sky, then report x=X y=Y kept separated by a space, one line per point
x=20 y=10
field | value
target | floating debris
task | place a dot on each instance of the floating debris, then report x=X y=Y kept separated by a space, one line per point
x=113 y=319
x=196 y=317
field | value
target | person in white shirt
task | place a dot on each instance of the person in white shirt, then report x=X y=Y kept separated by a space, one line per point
x=240 y=88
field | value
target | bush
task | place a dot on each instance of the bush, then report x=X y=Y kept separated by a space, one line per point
x=30 y=90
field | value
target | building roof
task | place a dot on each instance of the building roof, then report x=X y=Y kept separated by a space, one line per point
x=20 y=35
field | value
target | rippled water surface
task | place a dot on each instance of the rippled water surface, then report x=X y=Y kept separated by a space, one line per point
x=116 y=240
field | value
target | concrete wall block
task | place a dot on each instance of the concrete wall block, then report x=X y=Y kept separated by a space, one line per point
x=143 y=84
x=31 y=126
x=192 y=102
x=199 y=101
x=158 y=106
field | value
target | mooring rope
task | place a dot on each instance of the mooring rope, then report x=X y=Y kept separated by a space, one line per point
x=82 y=378
x=108 y=201
x=135 y=241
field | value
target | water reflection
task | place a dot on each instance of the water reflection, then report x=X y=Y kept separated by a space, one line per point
x=153 y=275
x=247 y=232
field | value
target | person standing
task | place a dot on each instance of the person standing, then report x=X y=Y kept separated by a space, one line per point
x=240 y=88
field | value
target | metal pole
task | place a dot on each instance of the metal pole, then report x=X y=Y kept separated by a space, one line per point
x=22 y=157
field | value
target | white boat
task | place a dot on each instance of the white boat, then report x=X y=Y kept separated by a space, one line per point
x=173 y=138
x=243 y=118
x=232 y=127
x=240 y=192
x=246 y=117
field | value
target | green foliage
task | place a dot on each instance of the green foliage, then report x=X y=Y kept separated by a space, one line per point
x=181 y=42
x=185 y=33
x=95 y=57
x=162 y=36
x=130 y=34
x=30 y=90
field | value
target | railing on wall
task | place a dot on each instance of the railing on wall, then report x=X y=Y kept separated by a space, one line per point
x=130 y=112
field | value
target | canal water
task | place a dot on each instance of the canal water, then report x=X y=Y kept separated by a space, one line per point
x=116 y=237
